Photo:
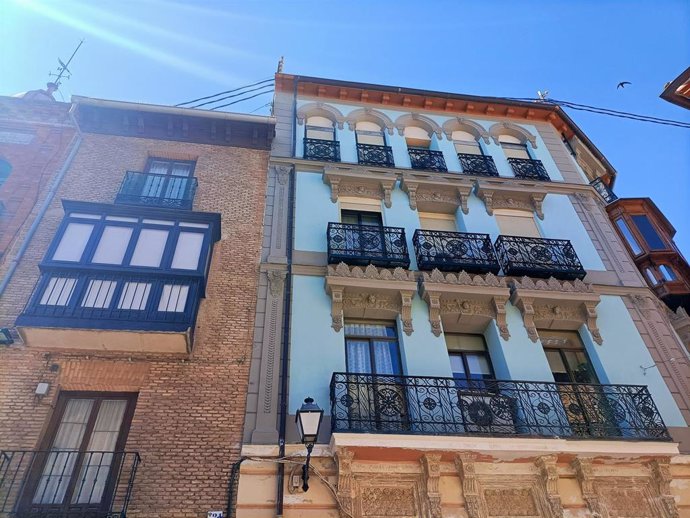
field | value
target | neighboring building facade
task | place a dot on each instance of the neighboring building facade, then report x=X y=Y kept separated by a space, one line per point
x=440 y=274
x=678 y=90
x=131 y=308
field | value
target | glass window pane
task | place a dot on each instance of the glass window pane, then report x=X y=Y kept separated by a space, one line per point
x=73 y=242
x=159 y=167
x=134 y=296
x=632 y=242
x=358 y=359
x=58 y=291
x=180 y=169
x=556 y=362
x=320 y=133
x=648 y=232
x=173 y=298
x=188 y=250
x=386 y=358
x=150 y=247
x=515 y=150
x=457 y=366
x=99 y=294
x=667 y=272
x=514 y=225
x=465 y=342
x=478 y=364
x=367 y=329
x=650 y=276
x=471 y=148
x=112 y=245
x=372 y=138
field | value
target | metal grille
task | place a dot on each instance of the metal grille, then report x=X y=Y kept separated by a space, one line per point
x=446 y=406
x=477 y=165
x=528 y=169
x=369 y=154
x=157 y=190
x=427 y=159
x=454 y=251
x=365 y=244
x=317 y=149
x=66 y=484
x=603 y=190
x=538 y=257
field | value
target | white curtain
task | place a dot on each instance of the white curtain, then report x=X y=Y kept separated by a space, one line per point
x=383 y=358
x=358 y=359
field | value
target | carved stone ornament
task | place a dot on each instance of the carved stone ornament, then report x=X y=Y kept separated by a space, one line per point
x=585 y=476
x=509 y=128
x=346 y=483
x=464 y=463
x=467 y=125
x=431 y=465
x=360 y=182
x=276 y=281
x=661 y=479
x=322 y=110
x=511 y=195
x=549 y=478
x=437 y=193
x=370 y=292
x=282 y=173
x=551 y=303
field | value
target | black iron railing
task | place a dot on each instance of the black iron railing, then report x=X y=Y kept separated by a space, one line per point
x=446 y=406
x=71 y=298
x=538 y=257
x=604 y=191
x=318 y=149
x=66 y=484
x=369 y=154
x=454 y=251
x=477 y=165
x=365 y=244
x=427 y=159
x=157 y=190
x=529 y=169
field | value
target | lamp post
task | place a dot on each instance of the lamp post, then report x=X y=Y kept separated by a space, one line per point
x=308 y=421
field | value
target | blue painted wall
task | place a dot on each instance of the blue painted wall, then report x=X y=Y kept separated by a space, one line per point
x=313 y=211
x=401 y=215
x=423 y=353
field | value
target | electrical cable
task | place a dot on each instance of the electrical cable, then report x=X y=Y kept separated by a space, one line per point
x=226 y=92
x=262 y=106
x=242 y=100
x=231 y=96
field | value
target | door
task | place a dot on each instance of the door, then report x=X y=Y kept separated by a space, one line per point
x=172 y=180
x=375 y=383
x=367 y=240
x=75 y=470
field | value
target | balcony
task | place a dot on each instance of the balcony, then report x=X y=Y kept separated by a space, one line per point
x=427 y=159
x=369 y=154
x=603 y=190
x=445 y=406
x=454 y=251
x=477 y=165
x=528 y=169
x=367 y=244
x=157 y=190
x=66 y=484
x=318 y=149
x=538 y=257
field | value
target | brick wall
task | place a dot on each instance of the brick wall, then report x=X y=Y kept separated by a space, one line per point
x=189 y=414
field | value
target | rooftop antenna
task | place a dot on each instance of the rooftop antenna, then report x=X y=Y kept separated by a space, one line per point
x=280 y=65
x=543 y=95
x=63 y=69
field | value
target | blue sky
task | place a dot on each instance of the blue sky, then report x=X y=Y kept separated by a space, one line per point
x=166 y=52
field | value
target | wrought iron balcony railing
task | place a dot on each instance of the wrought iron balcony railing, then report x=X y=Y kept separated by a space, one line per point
x=528 y=169
x=369 y=154
x=454 y=251
x=318 y=149
x=87 y=299
x=603 y=190
x=66 y=484
x=157 y=190
x=446 y=406
x=477 y=165
x=365 y=244
x=538 y=257
x=427 y=159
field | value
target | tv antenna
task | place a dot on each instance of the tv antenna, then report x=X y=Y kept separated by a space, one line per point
x=63 y=70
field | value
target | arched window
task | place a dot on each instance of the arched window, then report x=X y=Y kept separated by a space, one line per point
x=369 y=133
x=5 y=171
x=417 y=137
x=513 y=147
x=465 y=142
x=320 y=128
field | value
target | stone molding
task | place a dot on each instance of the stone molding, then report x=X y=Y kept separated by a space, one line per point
x=555 y=304
x=370 y=292
x=468 y=125
x=322 y=110
x=513 y=194
x=276 y=281
x=680 y=320
x=369 y=115
x=360 y=182
x=509 y=128
x=465 y=297
x=548 y=473
x=346 y=487
x=437 y=193
x=420 y=121
x=431 y=466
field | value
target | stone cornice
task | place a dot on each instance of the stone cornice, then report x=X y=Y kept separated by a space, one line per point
x=515 y=194
x=434 y=191
x=360 y=182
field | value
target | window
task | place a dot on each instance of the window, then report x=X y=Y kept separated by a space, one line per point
x=319 y=128
x=650 y=276
x=372 y=348
x=567 y=357
x=417 y=137
x=369 y=133
x=134 y=296
x=667 y=272
x=73 y=242
x=188 y=250
x=465 y=142
x=648 y=232
x=357 y=217
x=99 y=294
x=513 y=147
x=513 y=222
x=150 y=247
x=632 y=242
x=5 y=171
x=170 y=167
x=469 y=360
x=172 y=179
x=112 y=245
x=173 y=298
x=434 y=221
x=58 y=292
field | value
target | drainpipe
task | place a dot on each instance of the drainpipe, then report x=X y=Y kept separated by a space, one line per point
x=14 y=263
x=286 y=318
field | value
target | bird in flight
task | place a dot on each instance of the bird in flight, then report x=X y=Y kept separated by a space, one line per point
x=622 y=84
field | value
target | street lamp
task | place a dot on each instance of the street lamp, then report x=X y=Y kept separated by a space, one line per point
x=308 y=421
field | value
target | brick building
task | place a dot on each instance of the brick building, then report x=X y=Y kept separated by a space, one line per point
x=132 y=309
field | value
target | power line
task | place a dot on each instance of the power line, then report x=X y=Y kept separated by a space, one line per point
x=226 y=92
x=262 y=106
x=242 y=100
x=232 y=96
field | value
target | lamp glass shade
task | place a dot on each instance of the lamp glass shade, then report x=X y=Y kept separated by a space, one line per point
x=308 y=420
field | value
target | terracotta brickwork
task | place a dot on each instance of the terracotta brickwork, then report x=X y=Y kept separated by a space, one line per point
x=187 y=423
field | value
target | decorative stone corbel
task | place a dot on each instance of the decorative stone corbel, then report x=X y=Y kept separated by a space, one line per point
x=661 y=478
x=335 y=189
x=499 y=304
x=488 y=198
x=282 y=173
x=337 y=308
x=431 y=466
x=464 y=463
x=276 y=281
x=412 y=194
x=591 y=321
x=526 y=307
x=537 y=201
x=346 y=482
x=434 y=303
x=585 y=476
x=464 y=195
x=406 y=311
x=549 y=478
x=387 y=188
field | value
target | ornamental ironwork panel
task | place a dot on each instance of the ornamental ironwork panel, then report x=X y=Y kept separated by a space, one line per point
x=538 y=257
x=454 y=251
x=367 y=244
x=157 y=190
x=370 y=154
x=427 y=159
x=326 y=150
x=447 y=406
x=60 y=484
x=529 y=169
x=603 y=190
x=477 y=165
